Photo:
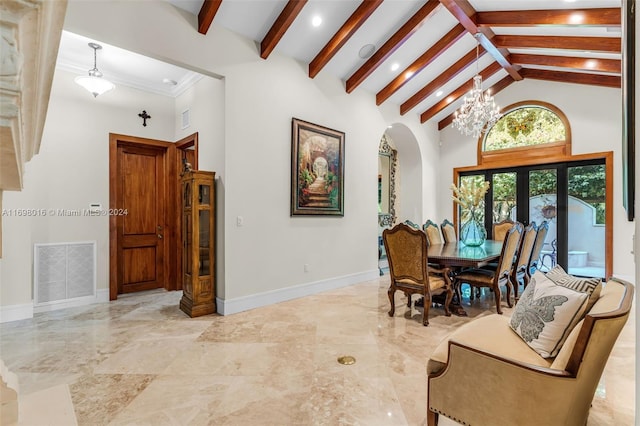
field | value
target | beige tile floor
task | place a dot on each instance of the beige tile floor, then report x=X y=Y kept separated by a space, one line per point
x=141 y=361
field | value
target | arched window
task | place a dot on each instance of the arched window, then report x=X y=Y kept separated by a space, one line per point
x=523 y=126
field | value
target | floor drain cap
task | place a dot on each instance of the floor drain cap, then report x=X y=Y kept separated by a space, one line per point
x=347 y=360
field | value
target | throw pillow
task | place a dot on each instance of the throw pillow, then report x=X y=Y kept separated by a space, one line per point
x=546 y=313
x=591 y=286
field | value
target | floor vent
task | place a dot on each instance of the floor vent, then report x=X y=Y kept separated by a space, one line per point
x=63 y=272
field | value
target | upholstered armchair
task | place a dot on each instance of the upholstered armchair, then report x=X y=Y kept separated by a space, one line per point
x=448 y=231
x=433 y=232
x=484 y=374
x=407 y=254
x=495 y=278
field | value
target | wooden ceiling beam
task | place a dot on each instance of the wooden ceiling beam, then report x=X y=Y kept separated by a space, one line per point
x=357 y=18
x=419 y=64
x=466 y=15
x=601 y=17
x=280 y=26
x=391 y=45
x=439 y=81
x=594 y=44
x=459 y=92
x=505 y=82
x=586 y=64
x=207 y=13
x=573 y=77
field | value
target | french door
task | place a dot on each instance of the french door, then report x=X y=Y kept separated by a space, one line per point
x=570 y=196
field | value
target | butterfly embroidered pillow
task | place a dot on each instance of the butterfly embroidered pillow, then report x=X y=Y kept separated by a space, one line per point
x=546 y=313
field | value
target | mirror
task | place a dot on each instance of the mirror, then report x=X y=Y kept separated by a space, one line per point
x=387 y=164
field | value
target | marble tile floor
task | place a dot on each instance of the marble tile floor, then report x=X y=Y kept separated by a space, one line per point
x=141 y=361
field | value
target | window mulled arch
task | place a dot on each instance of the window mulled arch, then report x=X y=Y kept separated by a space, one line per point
x=530 y=129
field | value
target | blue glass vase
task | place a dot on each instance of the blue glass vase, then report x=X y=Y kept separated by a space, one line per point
x=472 y=233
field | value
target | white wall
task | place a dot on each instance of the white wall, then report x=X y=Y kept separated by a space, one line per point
x=267 y=254
x=72 y=171
x=594 y=114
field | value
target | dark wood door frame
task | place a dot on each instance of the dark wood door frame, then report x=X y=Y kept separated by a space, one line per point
x=173 y=235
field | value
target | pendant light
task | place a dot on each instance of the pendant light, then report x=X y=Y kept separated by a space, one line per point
x=94 y=82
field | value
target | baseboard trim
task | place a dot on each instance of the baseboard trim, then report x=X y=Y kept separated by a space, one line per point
x=16 y=312
x=245 y=303
x=102 y=296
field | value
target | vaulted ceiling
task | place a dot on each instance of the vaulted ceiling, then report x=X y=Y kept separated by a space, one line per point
x=421 y=54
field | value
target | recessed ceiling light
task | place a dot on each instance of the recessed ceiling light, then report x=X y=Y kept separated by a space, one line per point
x=439 y=93
x=576 y=18
x=390 y=126
x=570 y=1
x=408 y=74
x=169 y=81
x=366 y=51
x=395 y=66
x=316 y=21
x=591 y=63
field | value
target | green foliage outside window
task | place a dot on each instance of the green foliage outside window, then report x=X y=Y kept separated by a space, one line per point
x=526 y=126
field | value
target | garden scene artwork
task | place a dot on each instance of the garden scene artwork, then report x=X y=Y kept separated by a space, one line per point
x=317 y=170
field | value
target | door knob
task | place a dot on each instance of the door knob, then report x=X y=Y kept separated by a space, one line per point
x=160 y=236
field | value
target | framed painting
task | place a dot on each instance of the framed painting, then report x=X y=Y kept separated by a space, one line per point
x=317 y=170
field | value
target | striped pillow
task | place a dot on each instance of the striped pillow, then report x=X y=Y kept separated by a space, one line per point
x=591 y=286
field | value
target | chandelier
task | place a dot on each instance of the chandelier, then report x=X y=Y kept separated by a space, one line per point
x=94 y=83
x=478 y=111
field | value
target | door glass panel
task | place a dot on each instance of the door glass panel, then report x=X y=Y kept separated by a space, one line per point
x=470 y=181
x=504 y=196
x=586 y=218
x=543 y=205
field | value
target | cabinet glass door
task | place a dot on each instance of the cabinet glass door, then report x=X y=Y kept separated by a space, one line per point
x=205 y=231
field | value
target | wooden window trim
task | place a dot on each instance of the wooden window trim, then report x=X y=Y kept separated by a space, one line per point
x=528 y=155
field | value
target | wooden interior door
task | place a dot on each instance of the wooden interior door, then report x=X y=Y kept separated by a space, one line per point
x=145 y=244
x=142 y=194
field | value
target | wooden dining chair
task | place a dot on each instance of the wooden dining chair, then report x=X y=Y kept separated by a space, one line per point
x=536 y=260
x=501 y=276
x=448 y=231
x=433 y=232
x=408 y=267
x=523 y=255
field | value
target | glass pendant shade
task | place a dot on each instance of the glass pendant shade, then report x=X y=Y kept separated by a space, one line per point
x=95 y=85
x=94 y=82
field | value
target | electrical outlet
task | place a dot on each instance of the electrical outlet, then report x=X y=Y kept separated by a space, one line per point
x=239 y=221
x=306 y=267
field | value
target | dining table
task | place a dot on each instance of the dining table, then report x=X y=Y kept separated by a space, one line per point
x=457 y=256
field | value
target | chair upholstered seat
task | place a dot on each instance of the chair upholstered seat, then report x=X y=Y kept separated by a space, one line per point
x=435 y=282
x=490 y=333
x=484 y=276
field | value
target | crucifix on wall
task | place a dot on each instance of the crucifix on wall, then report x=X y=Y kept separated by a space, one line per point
x=144 y=117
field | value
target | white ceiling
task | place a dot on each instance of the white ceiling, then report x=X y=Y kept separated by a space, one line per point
x=302 y=41
x=123 y=67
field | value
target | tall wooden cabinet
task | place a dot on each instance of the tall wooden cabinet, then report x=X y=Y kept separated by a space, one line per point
x=198 y=220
